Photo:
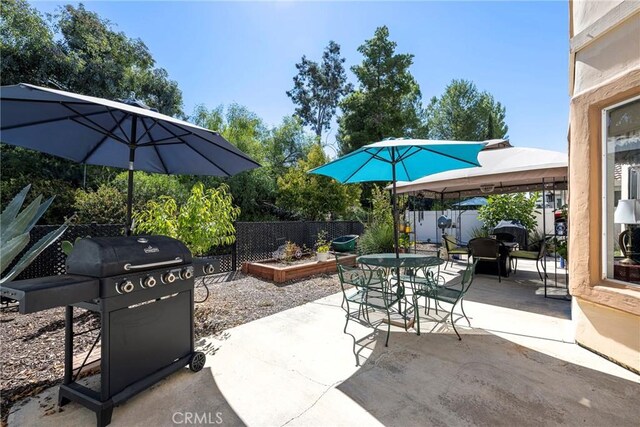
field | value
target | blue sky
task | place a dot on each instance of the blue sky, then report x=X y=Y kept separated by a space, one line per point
x=245 y=52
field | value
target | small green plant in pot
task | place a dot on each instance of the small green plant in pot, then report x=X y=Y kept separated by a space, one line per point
x=404 y=242
x=322 y=246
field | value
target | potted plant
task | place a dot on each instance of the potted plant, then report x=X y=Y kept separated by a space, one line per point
x=322 y=246
x=404 y=242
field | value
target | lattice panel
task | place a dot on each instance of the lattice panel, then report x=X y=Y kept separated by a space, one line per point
x=255 y=241
x=51 y=261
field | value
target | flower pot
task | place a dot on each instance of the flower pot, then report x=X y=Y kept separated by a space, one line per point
x=322 y=256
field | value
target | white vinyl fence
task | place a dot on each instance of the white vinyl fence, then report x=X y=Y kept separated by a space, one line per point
x=463 y=224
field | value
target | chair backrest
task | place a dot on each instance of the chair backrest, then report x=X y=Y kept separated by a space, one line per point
x=449 y=242
x=351 y=276
x=467 y=276
x=485 y=247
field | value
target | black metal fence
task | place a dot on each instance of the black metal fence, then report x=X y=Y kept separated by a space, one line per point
x=254 y=241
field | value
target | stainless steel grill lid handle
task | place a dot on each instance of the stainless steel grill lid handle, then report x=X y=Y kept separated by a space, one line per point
x=177 y=260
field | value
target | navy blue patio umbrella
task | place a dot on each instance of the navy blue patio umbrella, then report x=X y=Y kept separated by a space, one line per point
x=124 y=134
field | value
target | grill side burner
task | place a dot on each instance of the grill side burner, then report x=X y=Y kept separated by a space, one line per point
x=142 y=286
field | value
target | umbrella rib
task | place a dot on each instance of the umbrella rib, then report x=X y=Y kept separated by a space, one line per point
x=194 y=149
x=375 y=155
x=155 y=147
x=404 y=166
x=449 y=156
x=119 y=122
x=147 y=130
x=102 y=141
x=160 y=141
x=44 y=122
x=97 y=128
x=238 y=153
x=363 y=165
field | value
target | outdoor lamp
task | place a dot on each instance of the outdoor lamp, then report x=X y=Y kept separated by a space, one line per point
x=627 y=212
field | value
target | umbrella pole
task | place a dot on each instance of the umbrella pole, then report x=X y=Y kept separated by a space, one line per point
x=132 y=156
x=394 y=205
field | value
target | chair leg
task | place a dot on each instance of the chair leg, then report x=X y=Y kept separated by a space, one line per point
x=386 y=344
x=416 y=310
x=453 y=323
x=465 y=314
x=538 y=268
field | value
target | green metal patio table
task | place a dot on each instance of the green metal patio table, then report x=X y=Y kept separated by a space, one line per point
x=389 y=261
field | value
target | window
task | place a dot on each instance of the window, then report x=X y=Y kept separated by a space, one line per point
x=621 y=190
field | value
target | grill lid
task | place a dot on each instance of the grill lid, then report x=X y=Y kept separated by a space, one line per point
x=111 y=256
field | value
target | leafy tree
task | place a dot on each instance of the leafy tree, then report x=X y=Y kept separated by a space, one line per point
x=203 y=221
x=314 y=196
x=387 y=102
x=28 y=51
x=286 y=145
x=243 y=128
x=463 y=113
x=509 y=207
x=317 y=88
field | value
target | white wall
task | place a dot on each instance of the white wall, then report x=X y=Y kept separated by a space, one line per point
x=464 y=223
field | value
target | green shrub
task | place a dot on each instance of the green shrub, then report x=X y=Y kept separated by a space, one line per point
x=106 y=205
x=377 y=238
x=203 y=221
x=479 y=232
x=509 y=207
x=149 y=186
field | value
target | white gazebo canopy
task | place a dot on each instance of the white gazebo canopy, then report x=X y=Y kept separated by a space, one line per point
x=505 y=169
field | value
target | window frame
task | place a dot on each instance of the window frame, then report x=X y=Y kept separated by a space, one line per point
x=603 y=181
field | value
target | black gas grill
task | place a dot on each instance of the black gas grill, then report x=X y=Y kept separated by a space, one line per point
x=142 y=287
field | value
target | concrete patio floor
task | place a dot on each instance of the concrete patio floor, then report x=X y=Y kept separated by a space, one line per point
x=517 y=365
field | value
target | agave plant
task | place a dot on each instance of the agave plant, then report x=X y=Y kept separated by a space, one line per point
x=15 y=226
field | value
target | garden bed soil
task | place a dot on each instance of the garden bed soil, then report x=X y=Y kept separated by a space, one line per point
x=32 y=346
x=279 y=272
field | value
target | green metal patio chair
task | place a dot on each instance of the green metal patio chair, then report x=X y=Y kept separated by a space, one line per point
x=373 y=291
x=451 y=293
x=536 y=256
x=453 y=248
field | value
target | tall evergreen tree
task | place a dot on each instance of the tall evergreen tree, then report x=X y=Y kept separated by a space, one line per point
x=387 y=102
x=317 y=89
x=463 y=113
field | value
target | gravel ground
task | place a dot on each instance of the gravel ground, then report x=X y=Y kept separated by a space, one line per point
x=32 y=346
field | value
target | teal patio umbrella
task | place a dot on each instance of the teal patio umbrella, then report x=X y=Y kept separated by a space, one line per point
x=401 y=160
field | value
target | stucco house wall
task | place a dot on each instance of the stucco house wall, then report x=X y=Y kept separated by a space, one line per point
x=604 y=70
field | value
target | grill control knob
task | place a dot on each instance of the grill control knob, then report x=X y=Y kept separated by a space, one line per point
x=149 y=282
x=125 y=287
x=187 y=273
x=169 y=277
x=209 y=269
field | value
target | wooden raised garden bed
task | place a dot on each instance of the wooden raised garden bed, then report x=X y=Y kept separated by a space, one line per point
x=279 y=272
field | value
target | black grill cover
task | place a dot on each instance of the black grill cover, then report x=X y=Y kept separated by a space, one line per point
x=107 y=256
x=516 y=229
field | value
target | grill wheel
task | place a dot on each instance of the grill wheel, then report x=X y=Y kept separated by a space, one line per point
x=197 y=361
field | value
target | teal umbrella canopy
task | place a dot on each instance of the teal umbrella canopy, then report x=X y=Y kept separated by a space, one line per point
x=401 y=160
